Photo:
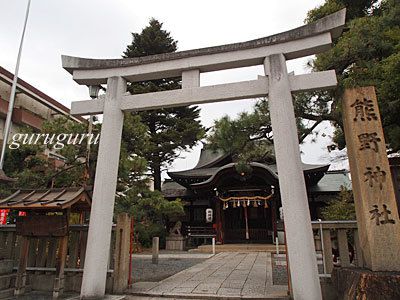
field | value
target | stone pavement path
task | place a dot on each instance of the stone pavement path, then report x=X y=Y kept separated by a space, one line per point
x=227 y=274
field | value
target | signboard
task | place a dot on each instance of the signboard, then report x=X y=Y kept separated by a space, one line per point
x=374 y=197
x=42 y=225
x=3 y=216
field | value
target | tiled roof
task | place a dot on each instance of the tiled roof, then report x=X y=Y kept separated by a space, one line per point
x=50 y=199
x=332 y=182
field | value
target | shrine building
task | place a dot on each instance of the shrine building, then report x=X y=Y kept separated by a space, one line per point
x=245 y=204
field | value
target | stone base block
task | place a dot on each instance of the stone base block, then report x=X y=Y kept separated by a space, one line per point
x=355 y=284
x=175 y=243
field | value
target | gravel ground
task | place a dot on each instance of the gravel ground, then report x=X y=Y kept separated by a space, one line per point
x=279 y=270
x=144 y=270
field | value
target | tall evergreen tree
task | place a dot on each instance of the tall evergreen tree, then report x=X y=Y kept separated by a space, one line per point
x=247 y=138
x=170 y=130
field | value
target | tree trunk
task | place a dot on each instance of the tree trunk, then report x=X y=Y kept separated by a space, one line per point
x=156 y=168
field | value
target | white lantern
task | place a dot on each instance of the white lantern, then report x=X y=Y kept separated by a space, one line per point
x=209 y=215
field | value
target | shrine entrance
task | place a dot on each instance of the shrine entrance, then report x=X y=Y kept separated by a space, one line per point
x=245 y=202
x=248 y=224
x=278 y=85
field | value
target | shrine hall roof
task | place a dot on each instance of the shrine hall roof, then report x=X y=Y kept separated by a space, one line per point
x=49 y=199
x=208 y=172
x=213 y=164
x=331 y=182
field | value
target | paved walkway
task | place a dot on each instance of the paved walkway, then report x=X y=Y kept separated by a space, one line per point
x=227 y=274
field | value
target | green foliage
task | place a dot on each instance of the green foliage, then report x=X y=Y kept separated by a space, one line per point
x=73 y=173
x=354 y=9
x=34 y=169
x=151 y=212
x=171 y=130
x=152 y=40
x=30 y=169
x=341 y=208
x=247 y=138
x=367 y=53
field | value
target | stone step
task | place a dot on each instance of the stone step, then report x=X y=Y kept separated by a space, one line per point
x=134 y=295
x=238 y=248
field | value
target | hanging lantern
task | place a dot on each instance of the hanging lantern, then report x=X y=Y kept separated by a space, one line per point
x=265 y=204
x=234 y=204
x=244 y=204
x=255 y=204
x=238 y=203
x=248 y=202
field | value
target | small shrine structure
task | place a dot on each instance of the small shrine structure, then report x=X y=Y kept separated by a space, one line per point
x=46 y=215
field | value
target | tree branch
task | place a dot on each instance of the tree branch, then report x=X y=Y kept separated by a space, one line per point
x=309 y=130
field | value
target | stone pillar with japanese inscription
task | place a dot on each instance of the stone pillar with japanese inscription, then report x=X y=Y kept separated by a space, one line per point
x=374 y=197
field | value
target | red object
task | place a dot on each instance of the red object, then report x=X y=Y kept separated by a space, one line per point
x=287 y=262
x=3 y=216
x=130 y=253
x=22 y=213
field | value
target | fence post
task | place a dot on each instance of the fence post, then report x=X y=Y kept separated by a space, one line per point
x=343 y=248
x=121 y=253
x=213 y=245
x=154 y=258
x=277 y=245
x=59 y=279
x=20 y=281
x=327 y=253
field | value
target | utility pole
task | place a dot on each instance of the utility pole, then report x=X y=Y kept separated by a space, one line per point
x=7 y=126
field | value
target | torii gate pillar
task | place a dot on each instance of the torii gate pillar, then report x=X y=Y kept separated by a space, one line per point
x=101 y=215
x=300 y=242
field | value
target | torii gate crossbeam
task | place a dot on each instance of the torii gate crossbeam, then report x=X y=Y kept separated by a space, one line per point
x=278 y=85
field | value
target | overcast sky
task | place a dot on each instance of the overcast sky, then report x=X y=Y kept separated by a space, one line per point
x=102 y=29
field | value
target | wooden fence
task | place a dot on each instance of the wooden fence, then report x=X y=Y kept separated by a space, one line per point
x=42 y=256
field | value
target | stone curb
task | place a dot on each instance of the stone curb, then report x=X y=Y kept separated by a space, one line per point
x=204 y=296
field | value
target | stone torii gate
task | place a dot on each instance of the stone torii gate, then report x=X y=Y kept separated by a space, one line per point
x=277 y=85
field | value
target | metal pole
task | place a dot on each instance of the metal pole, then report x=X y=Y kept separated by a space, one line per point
x=247 y=223
x=7 y=125
x=93 y=93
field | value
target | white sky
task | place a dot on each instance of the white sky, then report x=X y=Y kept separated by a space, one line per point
x=102 y=29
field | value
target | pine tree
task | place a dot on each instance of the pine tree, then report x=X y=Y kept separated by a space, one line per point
x=367 y=53
x=170 y=130
x=247 y=138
